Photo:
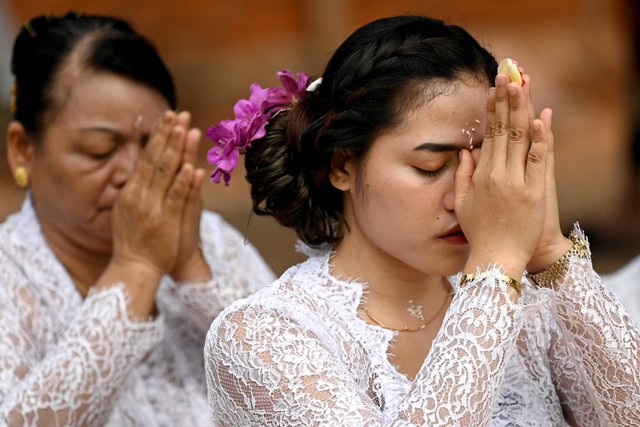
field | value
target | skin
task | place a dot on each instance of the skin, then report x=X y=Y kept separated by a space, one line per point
x=116 y=202
x=421 y=185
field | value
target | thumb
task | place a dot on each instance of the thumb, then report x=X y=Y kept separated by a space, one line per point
x=462 y=178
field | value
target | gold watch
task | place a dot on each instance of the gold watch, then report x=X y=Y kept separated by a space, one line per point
x=552 y=275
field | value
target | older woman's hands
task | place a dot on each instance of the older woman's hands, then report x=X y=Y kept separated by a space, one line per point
x=147 y=218
x=190 y=264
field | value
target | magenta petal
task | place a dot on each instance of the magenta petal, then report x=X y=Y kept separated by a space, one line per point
x=217 y=173
x=294 y=86
x=221 y=132
x=252 y=116
x=229 y=162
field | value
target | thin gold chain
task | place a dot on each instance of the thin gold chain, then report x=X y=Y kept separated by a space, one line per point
x=407 y=328
x=81 y=288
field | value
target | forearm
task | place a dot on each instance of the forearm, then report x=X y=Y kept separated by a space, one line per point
x=461 y=377
x=77 y=381
x=235 y=269
x=602 y=334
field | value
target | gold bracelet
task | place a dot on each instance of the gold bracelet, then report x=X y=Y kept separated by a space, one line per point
x=510 y=281
x=553 y=274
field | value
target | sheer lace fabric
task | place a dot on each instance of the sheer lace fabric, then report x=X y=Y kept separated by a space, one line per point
x=69 y=362
x=625 y=284
x=297 y=354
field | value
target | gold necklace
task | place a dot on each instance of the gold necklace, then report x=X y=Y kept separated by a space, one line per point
x=407 y=328
x=81 y=287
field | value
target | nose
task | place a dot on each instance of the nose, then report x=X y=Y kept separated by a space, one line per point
x=125 y=163
x=449 y=198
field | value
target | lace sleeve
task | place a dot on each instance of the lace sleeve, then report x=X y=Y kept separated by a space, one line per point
x=571 y=383
x=265 y=368
x=460 y=380
x=237 y=267
x=604 y=343
x=73 y=382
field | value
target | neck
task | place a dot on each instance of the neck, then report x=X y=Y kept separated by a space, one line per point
x=84 y=265
x=393 y=287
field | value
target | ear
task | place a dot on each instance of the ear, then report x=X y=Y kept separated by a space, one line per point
x=19 y=146
x=342 y=172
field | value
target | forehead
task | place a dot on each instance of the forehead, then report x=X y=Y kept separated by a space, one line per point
x=88 y=95
x=443 y=111
x=448 y=101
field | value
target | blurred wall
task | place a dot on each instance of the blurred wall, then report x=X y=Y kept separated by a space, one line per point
x=581 y=54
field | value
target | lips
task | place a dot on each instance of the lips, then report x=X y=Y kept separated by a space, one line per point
x=454 y=235
x=453 y=230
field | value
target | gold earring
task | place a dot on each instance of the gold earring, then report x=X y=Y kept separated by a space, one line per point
x=21 y=176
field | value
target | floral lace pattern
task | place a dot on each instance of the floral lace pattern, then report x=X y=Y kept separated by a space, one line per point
x=297 y=354
x=69 y=362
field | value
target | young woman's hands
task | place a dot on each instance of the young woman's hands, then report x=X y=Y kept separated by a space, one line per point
x=552 y=244
x=500 y=200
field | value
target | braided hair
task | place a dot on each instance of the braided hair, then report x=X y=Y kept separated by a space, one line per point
x=370 y=80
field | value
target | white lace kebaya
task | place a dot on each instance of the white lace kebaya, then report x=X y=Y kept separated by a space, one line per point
x=297 y=354
x=69 y=362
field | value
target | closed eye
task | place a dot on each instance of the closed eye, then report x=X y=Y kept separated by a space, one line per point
x=100 y=156
x=430 y=173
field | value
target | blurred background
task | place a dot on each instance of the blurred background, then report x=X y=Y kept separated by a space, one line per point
x=583 y=56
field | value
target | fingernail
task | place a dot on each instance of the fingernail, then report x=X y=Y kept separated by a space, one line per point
x=512 y=90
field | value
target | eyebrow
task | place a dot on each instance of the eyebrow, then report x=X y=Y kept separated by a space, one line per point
x=438 y=148
x=109 y=130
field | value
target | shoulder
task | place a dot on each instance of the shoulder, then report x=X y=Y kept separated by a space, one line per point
x=276 y=300
x=303 y=300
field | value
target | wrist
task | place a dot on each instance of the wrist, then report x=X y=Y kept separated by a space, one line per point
x=555 y=273
x=509 y=264
x=194 y=269
x=140 y=280
x=514 y=288
x=545 y=258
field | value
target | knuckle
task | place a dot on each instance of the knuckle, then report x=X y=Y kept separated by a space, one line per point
x=176 y=194
x=534 y=157
x=499 y=128
x=148 y=158
x=488 y=132
x=495 y=178
x=162 y=168
x=516 y=134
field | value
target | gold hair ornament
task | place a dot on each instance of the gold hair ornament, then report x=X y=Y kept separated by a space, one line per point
x=29 y=25
x=29 y=28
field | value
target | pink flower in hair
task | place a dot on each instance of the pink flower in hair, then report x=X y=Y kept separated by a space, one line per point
x=291 y=89
x=232 y=137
